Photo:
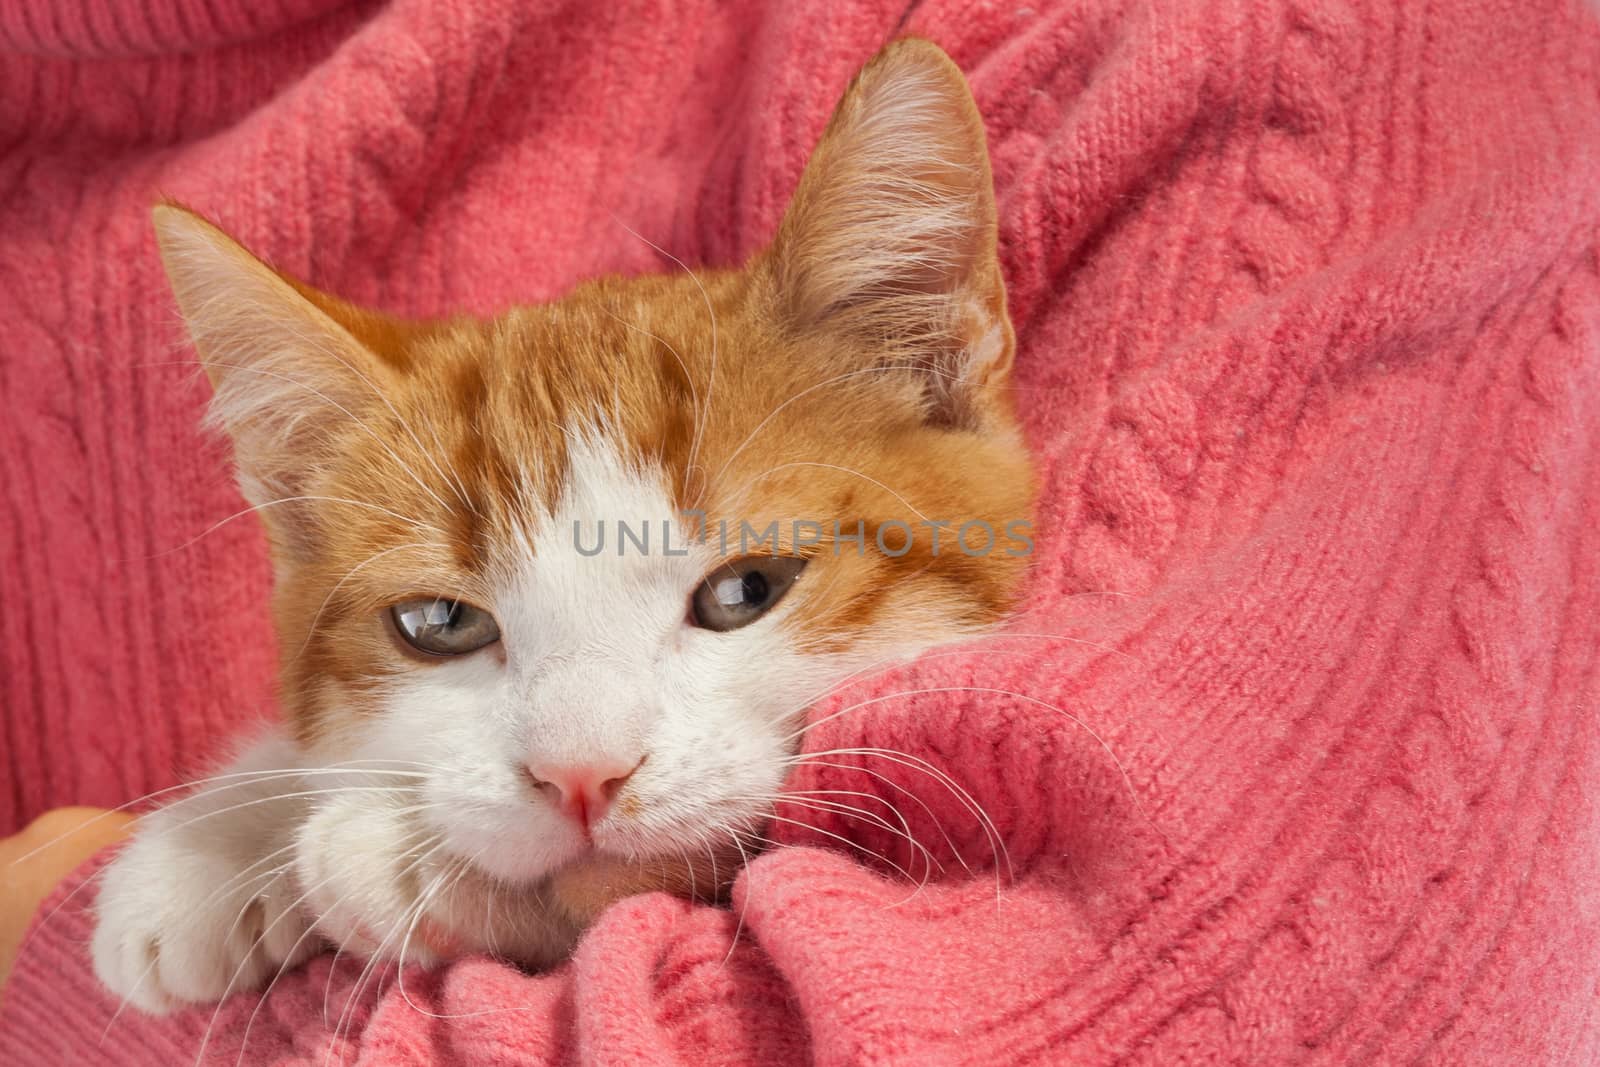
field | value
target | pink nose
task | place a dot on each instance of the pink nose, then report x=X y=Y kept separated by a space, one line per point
x=582 y=791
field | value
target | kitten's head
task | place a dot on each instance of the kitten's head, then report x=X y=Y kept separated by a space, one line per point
x=436 y=492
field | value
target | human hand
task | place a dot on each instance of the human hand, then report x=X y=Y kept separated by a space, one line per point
x=34 y=861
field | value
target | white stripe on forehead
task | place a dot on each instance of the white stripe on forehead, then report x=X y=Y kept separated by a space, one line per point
x=570 y=584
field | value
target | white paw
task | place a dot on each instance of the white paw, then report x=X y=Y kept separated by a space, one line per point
x=373 y=881
x=192 y=912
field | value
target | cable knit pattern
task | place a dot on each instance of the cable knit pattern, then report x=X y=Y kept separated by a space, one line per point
x=1294 y=756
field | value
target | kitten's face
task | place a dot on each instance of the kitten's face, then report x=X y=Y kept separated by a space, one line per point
x=446 y=499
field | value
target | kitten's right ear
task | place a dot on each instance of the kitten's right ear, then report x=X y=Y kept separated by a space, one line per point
x=890 y=239
x=284 y=371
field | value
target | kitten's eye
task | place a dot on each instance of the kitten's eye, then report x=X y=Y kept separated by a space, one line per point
x=738 y=593
x=442 y=627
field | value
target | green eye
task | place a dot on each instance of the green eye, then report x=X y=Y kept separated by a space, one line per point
x=443 y=627
x=738 y=593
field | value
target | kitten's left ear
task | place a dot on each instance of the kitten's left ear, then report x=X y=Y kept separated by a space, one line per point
x=890 y=238
x=290 y=367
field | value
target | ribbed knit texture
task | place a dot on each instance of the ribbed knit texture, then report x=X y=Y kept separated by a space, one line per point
x=1306 y=766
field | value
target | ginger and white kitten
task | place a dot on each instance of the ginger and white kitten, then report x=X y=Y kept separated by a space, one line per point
x=492 y=731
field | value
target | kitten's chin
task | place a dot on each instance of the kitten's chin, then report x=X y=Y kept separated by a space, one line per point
x=596 y=880
x=586 y=887
x=590 y=879
x=516 y=855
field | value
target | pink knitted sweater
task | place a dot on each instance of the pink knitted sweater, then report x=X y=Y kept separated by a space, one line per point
x=1296 y=756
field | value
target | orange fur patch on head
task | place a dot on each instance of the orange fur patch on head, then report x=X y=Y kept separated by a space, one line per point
x=854 y=375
